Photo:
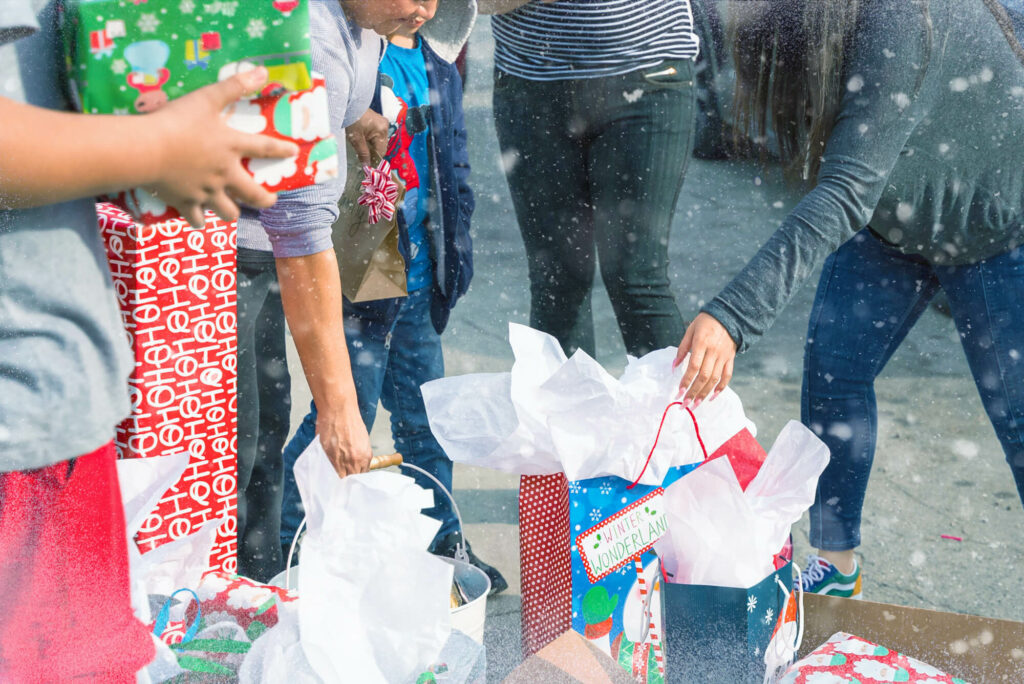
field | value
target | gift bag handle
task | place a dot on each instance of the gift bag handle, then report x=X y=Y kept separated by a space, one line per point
x=164 y=616
x=657 y=436
x=376 y=463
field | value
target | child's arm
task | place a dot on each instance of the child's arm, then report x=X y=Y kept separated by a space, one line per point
x=185 y=152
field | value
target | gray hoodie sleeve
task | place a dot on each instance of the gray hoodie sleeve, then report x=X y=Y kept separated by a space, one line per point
x=892 y=83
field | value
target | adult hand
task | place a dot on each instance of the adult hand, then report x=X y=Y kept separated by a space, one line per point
x=368 y=134
x=345 y=440
x=200 y=156
x=712 y=352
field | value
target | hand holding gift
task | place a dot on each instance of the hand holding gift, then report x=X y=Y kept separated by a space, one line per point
x=200 y=156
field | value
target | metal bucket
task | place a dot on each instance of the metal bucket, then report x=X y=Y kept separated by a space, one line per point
x=469 y=617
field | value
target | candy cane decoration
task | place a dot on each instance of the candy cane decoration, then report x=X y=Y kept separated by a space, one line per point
x=379 y=192
x=653 y=629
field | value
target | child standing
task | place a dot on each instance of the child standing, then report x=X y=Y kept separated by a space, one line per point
x=395 y=345
x=65 y=612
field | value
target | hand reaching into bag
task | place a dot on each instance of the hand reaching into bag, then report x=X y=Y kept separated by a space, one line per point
x=712 y=352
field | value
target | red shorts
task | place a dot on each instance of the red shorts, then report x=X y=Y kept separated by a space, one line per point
x=65 y=606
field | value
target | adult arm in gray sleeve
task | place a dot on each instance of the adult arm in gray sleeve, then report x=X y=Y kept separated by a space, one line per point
x=299 y=224
x=886 y=98
x=893 y=81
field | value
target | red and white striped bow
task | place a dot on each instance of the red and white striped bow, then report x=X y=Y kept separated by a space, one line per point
x=379 y=192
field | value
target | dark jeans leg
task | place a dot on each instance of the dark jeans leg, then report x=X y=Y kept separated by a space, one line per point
x=868 y=299
x=545 y=164
x=415 y=358
x=263 y=407
x=636 y=164
x=987 y=303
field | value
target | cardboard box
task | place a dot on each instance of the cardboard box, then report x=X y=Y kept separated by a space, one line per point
x=973 y=648
x=176 y=289
x=569 y=659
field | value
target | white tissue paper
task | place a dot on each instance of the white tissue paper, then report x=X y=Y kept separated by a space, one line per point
x=143 y=482
x=374 y=603
x=172 y=566
x=551 y=414
x=722 y=536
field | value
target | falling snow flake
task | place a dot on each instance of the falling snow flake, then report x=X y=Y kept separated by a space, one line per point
x=148 y=23
x=256 y=28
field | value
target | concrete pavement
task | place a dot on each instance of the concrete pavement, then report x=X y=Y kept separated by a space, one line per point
x=939 y=468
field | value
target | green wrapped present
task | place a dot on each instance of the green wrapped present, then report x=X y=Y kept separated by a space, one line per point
x=128 y=56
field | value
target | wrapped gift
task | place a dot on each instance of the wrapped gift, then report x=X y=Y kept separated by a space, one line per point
x=847 y=658
x=176 y=289
x=127 y=58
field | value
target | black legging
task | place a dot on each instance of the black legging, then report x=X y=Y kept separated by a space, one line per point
x=596 y=165
x=264 y=405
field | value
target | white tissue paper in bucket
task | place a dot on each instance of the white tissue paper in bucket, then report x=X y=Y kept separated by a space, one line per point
x=551 y=414
x=719 y=534
x=374 y=604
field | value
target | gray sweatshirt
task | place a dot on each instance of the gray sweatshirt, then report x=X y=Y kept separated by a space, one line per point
x=928 y=149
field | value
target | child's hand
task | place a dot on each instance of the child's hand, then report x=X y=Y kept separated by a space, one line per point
x=368 y=136
x=200 y=157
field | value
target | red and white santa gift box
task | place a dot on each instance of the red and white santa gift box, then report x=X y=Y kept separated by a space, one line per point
x=297 y=117
x=176 y=288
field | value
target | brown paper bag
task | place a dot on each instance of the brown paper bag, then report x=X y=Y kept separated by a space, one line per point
x=371 y=265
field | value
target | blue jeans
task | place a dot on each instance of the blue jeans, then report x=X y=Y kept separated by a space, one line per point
x=391 y=371
x=869 y=297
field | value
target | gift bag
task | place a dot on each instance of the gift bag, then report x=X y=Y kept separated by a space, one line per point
x=366 y=235
x=725 y=596
x=720 y=634
x=615 y=574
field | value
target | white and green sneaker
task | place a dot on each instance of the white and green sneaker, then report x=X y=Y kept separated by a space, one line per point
x=821 y=577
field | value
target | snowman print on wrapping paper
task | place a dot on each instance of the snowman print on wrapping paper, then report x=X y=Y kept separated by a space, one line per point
x=598 y=607
x=149 y=73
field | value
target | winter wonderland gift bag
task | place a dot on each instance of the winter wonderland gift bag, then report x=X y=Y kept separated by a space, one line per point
x=614 y=523
x=613 y=526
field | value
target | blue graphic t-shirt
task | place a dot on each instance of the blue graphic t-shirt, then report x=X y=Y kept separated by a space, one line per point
x=407 y=151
